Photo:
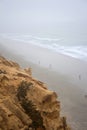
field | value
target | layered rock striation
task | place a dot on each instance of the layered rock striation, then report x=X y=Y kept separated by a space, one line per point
x=26 y=103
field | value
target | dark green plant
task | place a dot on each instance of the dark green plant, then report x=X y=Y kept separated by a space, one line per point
x=28 y=106
x=22 y=89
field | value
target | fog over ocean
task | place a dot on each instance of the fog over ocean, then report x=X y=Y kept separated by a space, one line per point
x=60 y=45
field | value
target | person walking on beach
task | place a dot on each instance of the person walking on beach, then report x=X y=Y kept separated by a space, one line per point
x=39 y=62
x=50 y=66
x=79 y=77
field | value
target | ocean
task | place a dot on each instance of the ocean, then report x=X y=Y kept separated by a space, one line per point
x=60 y=45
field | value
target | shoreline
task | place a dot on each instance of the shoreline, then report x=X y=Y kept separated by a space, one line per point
x=74 y=69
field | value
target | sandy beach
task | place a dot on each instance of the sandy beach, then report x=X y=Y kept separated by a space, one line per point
x=63 y=74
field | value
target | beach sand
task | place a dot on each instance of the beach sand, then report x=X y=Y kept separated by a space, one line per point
x=63 y=74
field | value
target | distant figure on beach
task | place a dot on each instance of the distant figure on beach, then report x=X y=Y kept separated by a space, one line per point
x=79 y=77
x=85 y=96
x=50 y=66
x=39 y=62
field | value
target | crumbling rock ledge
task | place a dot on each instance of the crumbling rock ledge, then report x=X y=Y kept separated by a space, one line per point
x=26 y=103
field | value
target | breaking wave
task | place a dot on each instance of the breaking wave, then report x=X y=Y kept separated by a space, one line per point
x=76 y=51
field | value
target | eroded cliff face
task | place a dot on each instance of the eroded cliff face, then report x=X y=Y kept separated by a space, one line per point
x=26 y=103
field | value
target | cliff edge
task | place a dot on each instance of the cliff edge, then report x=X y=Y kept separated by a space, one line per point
x=26 y=103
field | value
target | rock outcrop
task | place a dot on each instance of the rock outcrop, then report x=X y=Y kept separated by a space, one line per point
x=26 y=103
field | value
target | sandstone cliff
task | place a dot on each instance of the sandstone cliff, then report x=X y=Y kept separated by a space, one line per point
x=26 y=103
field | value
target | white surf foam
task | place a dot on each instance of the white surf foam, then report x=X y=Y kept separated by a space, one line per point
x=76 y=51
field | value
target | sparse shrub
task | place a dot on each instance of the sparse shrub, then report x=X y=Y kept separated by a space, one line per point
x=28 y=106
x=22 y=89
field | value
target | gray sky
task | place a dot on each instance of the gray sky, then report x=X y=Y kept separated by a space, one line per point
x=26 y=15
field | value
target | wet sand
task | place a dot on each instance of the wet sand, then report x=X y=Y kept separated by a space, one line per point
x=63 y=74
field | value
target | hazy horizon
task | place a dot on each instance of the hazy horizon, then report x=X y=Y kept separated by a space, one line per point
x=28 y=16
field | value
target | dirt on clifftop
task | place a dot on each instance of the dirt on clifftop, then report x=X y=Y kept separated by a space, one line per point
x=26 y=103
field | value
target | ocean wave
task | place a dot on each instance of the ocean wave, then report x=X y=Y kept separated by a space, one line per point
x=76 y=51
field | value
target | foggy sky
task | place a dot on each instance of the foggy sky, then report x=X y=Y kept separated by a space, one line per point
x=25 y=15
